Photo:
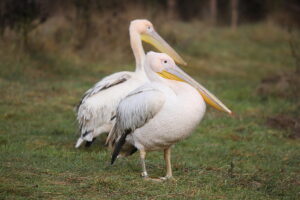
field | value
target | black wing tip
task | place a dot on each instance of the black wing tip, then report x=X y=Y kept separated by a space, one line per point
x=119 y=146
x=113 y=117
x=115 y=153
x=88 y=144
x=117 y=150
x=113 y=159
x=133 y=150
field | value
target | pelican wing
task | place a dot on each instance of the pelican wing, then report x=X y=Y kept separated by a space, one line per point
x=93 y=113
x=133 y=112
x=103 y=84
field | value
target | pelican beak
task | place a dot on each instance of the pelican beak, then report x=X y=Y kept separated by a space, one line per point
x=154 y=39
x=175 y=73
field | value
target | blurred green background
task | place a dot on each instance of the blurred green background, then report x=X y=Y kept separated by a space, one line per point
x=246 y=52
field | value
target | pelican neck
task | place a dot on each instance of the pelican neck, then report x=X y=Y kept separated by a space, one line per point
x=137 y=48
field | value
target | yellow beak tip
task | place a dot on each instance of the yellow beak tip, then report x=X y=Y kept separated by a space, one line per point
x=183 y=63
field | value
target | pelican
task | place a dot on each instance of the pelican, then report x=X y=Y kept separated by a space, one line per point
x=97 y=107
x=159 y=113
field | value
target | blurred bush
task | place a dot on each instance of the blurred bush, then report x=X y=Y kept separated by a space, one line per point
x=96 y=28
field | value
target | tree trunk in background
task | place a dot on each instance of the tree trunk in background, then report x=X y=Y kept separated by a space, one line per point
x=83 y=9
x=171 y=7
x=213 y=11
x=234 y=14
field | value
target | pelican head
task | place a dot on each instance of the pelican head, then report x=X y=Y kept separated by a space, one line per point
x=166 y=68
x=148 y=34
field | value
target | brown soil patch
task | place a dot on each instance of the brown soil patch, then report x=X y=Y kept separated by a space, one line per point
x=286 y=84
x=285 y=122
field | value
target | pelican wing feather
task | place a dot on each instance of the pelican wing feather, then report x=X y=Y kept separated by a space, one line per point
x=133 y=112
x=93 y=113
x=103 y=84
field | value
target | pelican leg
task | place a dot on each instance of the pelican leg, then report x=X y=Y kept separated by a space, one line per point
x=142 y=156
x=167 y=156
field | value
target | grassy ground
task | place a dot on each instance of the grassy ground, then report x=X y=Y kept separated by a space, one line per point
x=239 y=157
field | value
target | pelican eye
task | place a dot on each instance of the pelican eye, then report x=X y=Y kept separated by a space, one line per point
x=165 y=61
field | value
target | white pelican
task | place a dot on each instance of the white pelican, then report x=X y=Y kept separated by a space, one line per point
x=96 y=110
x=161 y=112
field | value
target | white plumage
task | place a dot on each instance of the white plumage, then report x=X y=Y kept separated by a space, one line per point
x=95 y=112
x=97 y=108
x=160 y=113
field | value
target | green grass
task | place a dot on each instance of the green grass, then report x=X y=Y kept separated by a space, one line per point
x=238 y=157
